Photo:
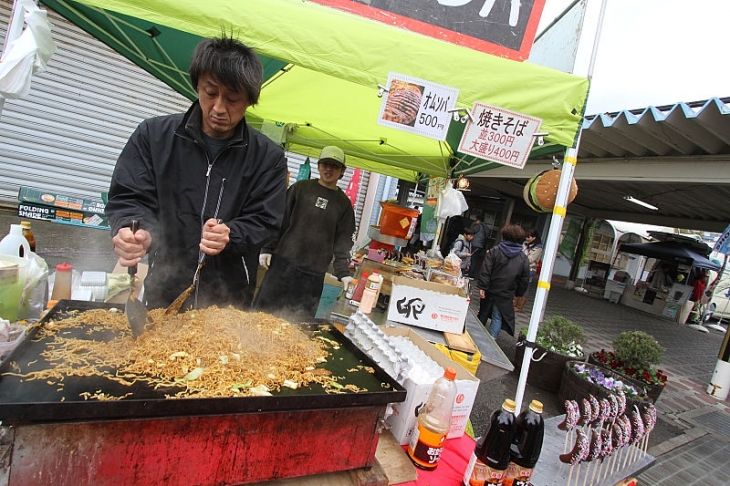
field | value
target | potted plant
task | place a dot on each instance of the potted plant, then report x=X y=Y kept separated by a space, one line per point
x=581 y=380
x=635 y=354
x=558 y=340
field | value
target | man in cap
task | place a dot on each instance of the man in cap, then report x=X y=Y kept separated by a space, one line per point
x=319 y=225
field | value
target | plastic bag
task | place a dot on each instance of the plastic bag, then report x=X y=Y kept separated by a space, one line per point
x=451 y=203
x=28 y=54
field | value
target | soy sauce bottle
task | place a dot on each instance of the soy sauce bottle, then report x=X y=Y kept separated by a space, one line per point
x=526 y=447
x=491 y=456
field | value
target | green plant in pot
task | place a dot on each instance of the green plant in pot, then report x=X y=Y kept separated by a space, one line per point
x=635 y=354
x=558 y=340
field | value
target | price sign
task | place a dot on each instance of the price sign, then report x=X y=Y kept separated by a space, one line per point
x=499 y=135
x=417 y=106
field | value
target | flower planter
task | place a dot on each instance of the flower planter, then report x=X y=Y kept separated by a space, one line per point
x=576 y=387
x=547 y=373
x=652 y=391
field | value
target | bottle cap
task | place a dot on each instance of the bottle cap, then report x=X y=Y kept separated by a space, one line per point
x=536 y=406
x=375 y=272
x=63 y=267
x=25 y=224
x=364 y=275
x=509 y=405
x=450 y=373
x=51 y=303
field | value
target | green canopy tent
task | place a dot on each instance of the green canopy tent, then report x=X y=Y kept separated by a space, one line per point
x=323 y=67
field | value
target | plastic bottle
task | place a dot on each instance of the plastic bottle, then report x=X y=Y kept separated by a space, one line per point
x=350 y=290
x=491 y=456
x=434 y=422
x=62 y=282
x=14 y=243
x=357 y=295
x=526 y=446
x=370 y=293
x=28 y=234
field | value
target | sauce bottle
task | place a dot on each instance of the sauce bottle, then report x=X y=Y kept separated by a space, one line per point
x=357 y=295
x=28 y=234
x=62 y=282
x=434 y=422
x=370 y=292
x=491 y=456
x=526 y=447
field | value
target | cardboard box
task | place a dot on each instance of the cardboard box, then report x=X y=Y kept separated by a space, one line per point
x=47 y=198
x=67 y=216
x=404 y=418
x=428 y=304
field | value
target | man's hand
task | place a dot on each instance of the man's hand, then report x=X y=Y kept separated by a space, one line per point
x=215 y=237
x=265 y=260
x=346 y=281
x=131 y=247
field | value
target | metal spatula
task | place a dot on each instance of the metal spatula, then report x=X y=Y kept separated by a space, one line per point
x=135 y=310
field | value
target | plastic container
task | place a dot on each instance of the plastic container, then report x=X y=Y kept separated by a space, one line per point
x=491 y=456
x=357 y=295
x=371 y=292
x=17 y=333
x=13 y=272
x=63 y=282
x=434 y=422
x=397 y=221
x=526 y=446
x=28 y=234
x=14 y=243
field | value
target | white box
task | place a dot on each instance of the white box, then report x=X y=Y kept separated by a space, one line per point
x=427 y=304
x=403 y=420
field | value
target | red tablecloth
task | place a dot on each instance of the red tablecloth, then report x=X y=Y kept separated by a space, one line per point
x=451 y=466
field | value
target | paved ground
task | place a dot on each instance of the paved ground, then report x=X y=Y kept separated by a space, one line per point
x=691 y=441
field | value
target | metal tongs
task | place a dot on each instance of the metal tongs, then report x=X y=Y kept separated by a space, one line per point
x=135 y=310
x=174 y=308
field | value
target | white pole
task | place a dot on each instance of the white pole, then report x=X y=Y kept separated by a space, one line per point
x=15 y=28
x=551 y=245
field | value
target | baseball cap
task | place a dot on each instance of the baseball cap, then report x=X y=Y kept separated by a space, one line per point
x=333 y=154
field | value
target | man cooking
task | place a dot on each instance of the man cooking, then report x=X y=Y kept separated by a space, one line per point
x=201 y=182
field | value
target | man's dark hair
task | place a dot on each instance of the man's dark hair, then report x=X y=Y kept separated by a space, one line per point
x=231 y=63
x=514 y=233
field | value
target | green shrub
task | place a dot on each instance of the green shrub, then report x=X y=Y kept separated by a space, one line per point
x=562 y=336
x=637 y=349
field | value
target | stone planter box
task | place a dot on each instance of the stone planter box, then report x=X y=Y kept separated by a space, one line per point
x=547 y=373
x=653 y=391
x=576 y=387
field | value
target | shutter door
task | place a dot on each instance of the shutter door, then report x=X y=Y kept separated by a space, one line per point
x=65 y=136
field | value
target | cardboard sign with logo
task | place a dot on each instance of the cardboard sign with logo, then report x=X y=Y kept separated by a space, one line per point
x=427 y=304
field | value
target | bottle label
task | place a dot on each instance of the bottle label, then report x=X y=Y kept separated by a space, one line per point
x=482 y=475
x=426 y=447
x=517 y=475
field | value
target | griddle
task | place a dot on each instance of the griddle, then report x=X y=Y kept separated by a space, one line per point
x=24 y=402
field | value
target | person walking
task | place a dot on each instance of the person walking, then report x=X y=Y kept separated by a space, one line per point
x=319 y=225
x=462 y=249
x=504 y=275
x=533 y=249
x=478 y=245
x=201 y=183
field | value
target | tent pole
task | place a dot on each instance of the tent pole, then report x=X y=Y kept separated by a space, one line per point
x=556 y=224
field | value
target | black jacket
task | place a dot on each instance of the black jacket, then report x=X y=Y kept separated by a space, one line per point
x=165 y=179
x=504 y=275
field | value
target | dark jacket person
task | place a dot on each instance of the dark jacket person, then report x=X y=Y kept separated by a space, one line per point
x=504 y=275
x=179 y=174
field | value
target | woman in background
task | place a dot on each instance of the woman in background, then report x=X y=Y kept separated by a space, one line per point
x=532 y=247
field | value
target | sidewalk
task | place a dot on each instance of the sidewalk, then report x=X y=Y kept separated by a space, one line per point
x=691 y=441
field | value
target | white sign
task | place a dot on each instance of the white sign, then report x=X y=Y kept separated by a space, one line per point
x=499 y=135
x=417 y=106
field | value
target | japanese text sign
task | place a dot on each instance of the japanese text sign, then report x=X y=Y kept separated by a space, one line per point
x=506 y=28
x=417 y=106
x=499 y=135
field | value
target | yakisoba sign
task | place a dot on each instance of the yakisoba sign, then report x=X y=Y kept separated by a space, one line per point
x=504 y=28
